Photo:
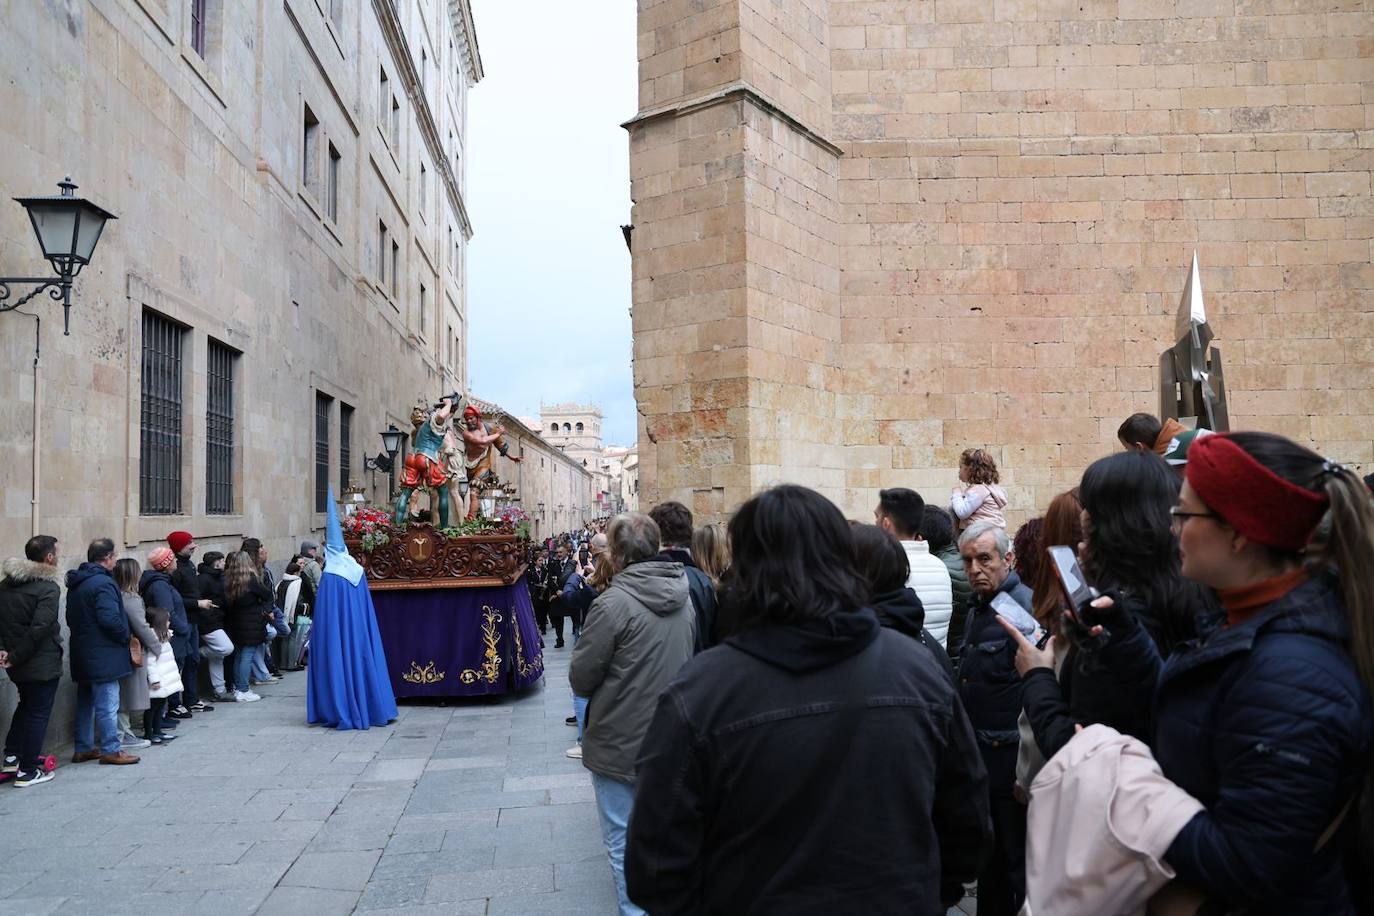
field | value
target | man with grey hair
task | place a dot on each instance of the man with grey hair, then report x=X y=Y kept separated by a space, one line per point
x=639 y=632
x=991 y=691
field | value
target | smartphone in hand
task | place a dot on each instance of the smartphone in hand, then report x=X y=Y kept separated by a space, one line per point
x=1077 y=592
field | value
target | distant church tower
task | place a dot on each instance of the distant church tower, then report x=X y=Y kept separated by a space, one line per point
x=575 y=428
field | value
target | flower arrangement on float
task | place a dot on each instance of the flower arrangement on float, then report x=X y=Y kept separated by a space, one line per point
x=368 y=525
x=515 y=519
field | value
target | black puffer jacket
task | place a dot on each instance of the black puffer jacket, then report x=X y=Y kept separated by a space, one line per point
x=702 y=591
x=1268 y=724
x=248 y=615
x=29 y=629
x=210 y=581
x=818 y=767
x=1089 y=691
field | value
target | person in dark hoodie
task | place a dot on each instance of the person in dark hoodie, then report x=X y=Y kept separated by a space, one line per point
x=638 y=635
x=884 y=565
x=30 y=653
x=156 y=589
x=674 y=521
x=216 y=646
x=99 y=633
x=937 y=530
x=187 y=584
x=814 y=761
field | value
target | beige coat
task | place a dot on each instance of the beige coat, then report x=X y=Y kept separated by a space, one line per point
x=1101 y=817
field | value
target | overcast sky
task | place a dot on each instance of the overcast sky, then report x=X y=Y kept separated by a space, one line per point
x=547 y=190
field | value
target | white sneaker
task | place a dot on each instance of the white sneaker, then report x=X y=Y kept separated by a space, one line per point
x=245 y=696
x=575 y=752
x=32 y=779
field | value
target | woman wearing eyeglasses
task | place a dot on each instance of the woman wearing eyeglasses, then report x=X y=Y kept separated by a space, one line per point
x=1265 y=718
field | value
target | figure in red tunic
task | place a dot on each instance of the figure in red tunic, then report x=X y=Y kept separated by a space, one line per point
x=423 y=469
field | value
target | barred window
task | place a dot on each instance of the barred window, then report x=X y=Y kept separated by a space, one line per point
x=198 y=27
x=323 y=403
x=159 y=467
x=219 y=429
x=345 y=447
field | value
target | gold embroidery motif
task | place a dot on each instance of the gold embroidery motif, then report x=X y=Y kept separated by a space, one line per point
x=426 y=675
x=491 y=658
x=525 y=669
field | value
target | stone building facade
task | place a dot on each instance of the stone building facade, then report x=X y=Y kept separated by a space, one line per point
x=868 y=235
x=286 y=276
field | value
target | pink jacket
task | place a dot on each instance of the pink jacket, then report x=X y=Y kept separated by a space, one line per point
x=979 y=503
x=1101 y=817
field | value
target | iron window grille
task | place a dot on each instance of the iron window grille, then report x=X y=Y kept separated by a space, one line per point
x=345 y=447
x=219 y=429
x=159 y=467
x=323 y=402
x=198 y=27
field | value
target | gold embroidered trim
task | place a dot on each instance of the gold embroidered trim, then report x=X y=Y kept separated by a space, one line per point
x=426 y=675
x=491 y=658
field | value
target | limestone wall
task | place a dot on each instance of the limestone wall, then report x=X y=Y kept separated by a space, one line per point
x=997 y=255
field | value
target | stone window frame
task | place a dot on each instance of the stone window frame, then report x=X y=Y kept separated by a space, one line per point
x=207 y=63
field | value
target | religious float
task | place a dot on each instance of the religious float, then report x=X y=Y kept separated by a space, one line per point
x=452 y=604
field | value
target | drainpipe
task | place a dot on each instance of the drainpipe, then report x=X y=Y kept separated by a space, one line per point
x=37 y=412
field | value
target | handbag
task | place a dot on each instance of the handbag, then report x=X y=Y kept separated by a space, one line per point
x=136 y=651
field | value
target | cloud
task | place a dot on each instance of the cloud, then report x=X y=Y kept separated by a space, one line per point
x=547 y=190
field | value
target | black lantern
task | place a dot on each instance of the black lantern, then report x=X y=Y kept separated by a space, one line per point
x=68 y=229
x=391 y=441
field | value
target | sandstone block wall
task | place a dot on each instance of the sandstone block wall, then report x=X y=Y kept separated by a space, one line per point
x=1016 y=190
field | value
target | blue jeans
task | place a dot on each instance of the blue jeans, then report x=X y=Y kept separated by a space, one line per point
x=97 y=712
x=260 y=663
x=614 y=799
x=580 y=711
x=243 y=666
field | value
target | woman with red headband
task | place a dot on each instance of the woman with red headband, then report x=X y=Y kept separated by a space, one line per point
x=1265 y=718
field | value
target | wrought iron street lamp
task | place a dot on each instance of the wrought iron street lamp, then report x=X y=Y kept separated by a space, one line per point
x=68 y=229
x=391 y=441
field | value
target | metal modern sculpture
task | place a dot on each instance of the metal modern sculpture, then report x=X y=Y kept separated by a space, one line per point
x=1192 y=387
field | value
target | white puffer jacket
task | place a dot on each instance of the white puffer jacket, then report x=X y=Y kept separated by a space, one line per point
x=162 y=670
x=929 y=579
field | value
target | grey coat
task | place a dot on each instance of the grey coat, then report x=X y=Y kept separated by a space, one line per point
x=639 y=632
x=133 y=687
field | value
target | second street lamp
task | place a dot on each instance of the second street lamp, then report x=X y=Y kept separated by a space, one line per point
x=68 y=229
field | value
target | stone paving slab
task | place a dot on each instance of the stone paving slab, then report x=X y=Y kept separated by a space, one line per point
x=467 y=809
x=252 y=811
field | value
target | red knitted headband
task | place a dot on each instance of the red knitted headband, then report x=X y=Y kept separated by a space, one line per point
x=1251 y=498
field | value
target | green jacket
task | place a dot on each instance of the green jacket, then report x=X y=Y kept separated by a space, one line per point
x=958 y=580
x=638 y=633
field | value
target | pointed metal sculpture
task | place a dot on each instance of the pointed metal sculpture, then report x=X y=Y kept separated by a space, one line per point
x=1192 y=386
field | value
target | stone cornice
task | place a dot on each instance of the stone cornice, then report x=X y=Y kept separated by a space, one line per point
x=460 y=12
x=395 y=37
x=734 y=92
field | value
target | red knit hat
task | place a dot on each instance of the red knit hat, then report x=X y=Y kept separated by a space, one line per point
x=1251 y=498
x=471 y=411
x=178 y=540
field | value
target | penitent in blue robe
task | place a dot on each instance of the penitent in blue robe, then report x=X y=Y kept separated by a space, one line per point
x=347 y=681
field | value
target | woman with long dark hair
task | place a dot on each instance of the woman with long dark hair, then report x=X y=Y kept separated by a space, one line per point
x=250 y=608
x=1265 y=718
x=1130 y=551
x=1129 y=544
x=753 y=791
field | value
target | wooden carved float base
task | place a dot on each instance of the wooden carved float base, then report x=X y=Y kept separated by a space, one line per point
x=423 y=557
